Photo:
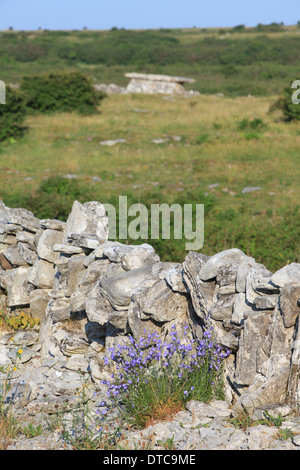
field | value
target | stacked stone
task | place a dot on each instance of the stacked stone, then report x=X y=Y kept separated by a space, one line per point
x=90 y=293
x=27 y=260
x=104 y=290
x=255 y=314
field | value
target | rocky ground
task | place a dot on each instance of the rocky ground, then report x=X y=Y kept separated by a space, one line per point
x=52 y=396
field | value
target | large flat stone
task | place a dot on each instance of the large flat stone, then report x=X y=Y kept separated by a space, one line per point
x=215 y=262
x=159 y=78
x=287 y=274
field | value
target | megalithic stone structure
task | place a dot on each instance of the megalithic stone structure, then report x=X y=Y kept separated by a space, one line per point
x=156 y=84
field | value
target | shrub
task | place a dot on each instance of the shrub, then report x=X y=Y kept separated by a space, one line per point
x=27 y=52
x=290 y=110
x=55 y=196
x=63 y=92
x=238 y=28
x=12 y=115
x=271 y=28
x=200 y=139
x=154 y=379
x=255 y=124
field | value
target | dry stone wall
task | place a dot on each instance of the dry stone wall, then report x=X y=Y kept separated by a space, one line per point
x=90 y=292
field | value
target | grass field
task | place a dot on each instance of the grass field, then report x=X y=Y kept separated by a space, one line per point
x=218 y=146
x=218 y=143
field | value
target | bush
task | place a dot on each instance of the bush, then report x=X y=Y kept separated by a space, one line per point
x=55 y=196
x=123 y=48
x=63 y=92
x=290 y=110
x=256 y=124
x=12 y=115
x=270 y=28
x=27 y=52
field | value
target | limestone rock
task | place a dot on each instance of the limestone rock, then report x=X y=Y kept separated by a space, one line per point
x=114 y=251
x=13 y=256
x=263 y=392
x=247 y=265
x=161 y=304
x=97 y=307
x=74 y=275
x=287 y=274
x=139 y=257
x=7 y=239
x=41 y=275
x=90 y=241
x=202 y=293
x=222 y=306
x=98 y=269
x=99 y=371
x=77 y=300
x=70 y=340
x=24 y=218
x=119 y=289
x=277 y=345
x=248 y=356
x=156 y=84
x=39 y=299
x=294 y=377
x=67 y=249
x=60 y=309
x=253 y=280
x=25 y=237
x=4 y=263
x=215 y=262
x=174 y=278
x=28 y=254
x=241 y=307
x=139 y=323
x=88 y=218
x=53 y=224
x=289 y=295
x=46 y=242
x=18 y=290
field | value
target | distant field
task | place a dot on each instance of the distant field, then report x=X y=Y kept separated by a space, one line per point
x=235 y=61
x=230 y=143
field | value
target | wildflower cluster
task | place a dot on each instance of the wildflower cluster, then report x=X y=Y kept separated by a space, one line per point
x=150 y=371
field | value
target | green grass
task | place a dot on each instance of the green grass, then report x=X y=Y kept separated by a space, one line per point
x=227 y=142
x=264 y=224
